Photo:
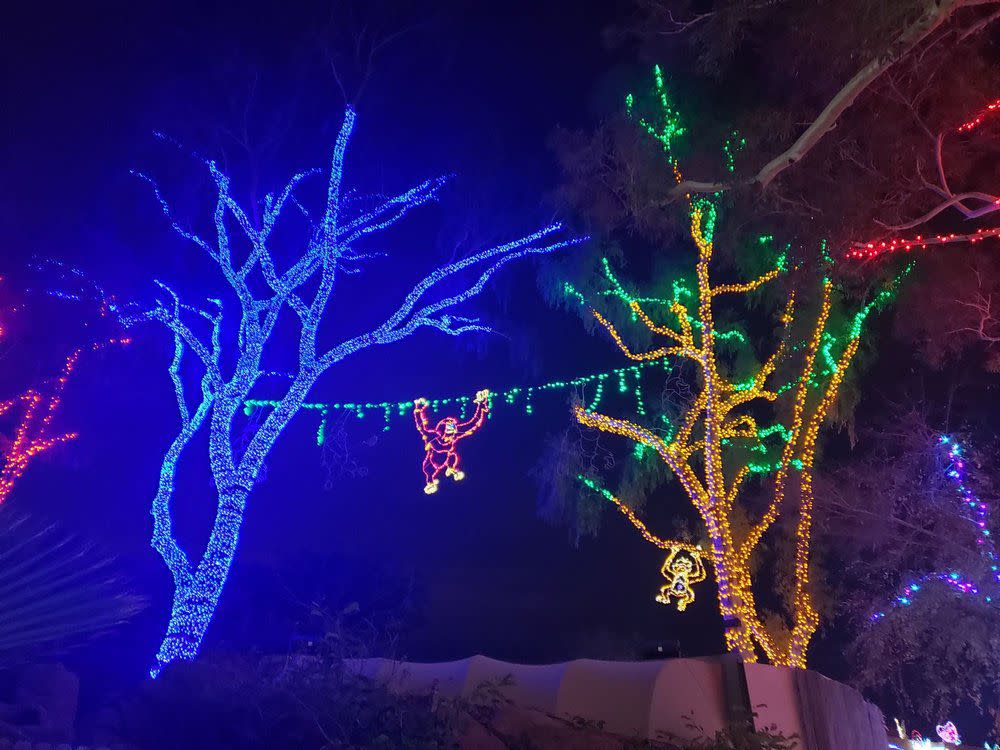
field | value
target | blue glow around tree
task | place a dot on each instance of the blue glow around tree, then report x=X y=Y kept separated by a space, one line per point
x=227 y=375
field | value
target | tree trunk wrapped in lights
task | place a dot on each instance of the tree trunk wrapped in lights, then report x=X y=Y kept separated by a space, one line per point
x=718 y=442
x=710 y=450
x=229 y=354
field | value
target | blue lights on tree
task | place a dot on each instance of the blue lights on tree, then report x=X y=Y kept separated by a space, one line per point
x=226 y=360
x=978 y=513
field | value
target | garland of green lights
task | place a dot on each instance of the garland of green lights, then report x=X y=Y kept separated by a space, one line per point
x=681 y=290
x=510 y=397
x=828 y=359
x=734 y=144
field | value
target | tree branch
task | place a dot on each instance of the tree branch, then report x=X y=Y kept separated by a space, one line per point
x=640 y=434
x=935 y=12
x=991 y=204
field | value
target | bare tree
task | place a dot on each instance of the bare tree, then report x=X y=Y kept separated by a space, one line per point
x=228 y=354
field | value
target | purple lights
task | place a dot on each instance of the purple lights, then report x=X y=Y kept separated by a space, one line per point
x=978 y=512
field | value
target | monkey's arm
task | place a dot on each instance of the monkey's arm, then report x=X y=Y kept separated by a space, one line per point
x=471 y=425
x=420 y=417
x=699 y=574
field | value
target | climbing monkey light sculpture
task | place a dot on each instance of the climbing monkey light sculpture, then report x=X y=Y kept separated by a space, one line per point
x=441 y=440
x=682 y=569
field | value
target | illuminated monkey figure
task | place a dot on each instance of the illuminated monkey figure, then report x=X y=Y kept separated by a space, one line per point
x=681 y=571
x=441 y=441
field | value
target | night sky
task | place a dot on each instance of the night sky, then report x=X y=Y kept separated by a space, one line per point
x=472 y=90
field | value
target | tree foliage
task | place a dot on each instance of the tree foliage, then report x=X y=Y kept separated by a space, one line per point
x=891 y=163
x=839 y=124
x=893 y=517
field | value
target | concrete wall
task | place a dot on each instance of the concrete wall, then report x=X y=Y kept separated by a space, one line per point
x=631 y=698
x=825 y=714
x=898 y=744
x=683 y=698
x=773 y=700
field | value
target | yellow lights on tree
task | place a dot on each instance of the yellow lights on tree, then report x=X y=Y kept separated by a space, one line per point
x=718 y=435
x=714 y=447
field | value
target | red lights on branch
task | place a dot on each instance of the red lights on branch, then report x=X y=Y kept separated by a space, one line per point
x=870 y=250
x=34 y=434
x=990 y=109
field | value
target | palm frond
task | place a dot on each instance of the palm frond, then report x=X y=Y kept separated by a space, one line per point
x=55 y=590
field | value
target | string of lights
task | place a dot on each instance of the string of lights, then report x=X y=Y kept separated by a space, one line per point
x=683 y=566
x=734 y=144
x=978 y=513
x=634 y=519
x=681 y=291
x=870 y=250
x=522 y=397
x=990 y=109
x=865 y=251
x=669 y=126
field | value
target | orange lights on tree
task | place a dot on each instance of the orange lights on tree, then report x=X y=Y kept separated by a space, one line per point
x=34 y=433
